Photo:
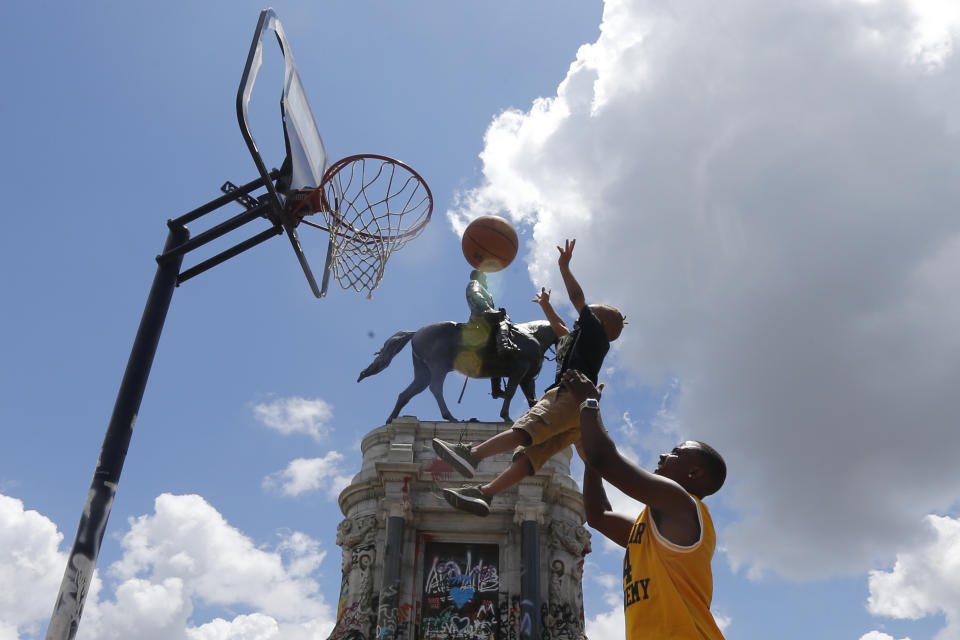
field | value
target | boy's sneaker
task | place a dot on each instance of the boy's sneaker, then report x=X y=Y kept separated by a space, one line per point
x=469 y=499
x=456 y=455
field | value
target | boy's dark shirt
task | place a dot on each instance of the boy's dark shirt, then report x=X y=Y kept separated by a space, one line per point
x=583 y=349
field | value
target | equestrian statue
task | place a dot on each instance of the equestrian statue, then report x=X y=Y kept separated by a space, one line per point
x=488 y=346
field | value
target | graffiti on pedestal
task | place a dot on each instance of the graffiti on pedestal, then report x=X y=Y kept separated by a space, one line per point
x=356 y=609
x=562 y=615
x=460 y=592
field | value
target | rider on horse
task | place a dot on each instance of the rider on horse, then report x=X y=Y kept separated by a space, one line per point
x=486 y=319
x=484 y=315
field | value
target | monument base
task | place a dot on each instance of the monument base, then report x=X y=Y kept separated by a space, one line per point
x=415 y=568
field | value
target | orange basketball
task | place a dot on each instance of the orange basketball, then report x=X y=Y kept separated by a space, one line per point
x=490 y=243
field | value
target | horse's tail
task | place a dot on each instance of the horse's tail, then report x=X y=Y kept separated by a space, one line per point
x=385 y=355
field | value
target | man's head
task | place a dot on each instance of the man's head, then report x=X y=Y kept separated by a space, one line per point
x=611 y=318
x=479 y=276
x=695 y=466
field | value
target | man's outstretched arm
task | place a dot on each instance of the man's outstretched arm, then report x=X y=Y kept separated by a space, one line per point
x=657 y=492
x=600 y=514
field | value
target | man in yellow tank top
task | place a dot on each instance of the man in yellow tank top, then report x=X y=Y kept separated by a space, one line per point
x=667 y=581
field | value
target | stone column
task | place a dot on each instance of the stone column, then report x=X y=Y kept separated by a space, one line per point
x=395 y=475
x=528 y=513
x=390 y=589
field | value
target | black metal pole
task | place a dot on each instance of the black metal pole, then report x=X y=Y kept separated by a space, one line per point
x=213 y=233
x=223 y=256
x=93 y=522
x=216 y=203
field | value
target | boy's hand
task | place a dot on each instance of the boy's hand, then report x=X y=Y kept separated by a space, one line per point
x=543 y=297
x=566 y=253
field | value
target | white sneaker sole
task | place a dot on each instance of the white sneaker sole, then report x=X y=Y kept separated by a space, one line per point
x=448 y=455
x=476 y=506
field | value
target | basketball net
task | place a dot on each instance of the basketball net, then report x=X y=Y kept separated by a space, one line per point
x=372 y=205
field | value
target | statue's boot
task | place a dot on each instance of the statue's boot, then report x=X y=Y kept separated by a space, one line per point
x=505 y=346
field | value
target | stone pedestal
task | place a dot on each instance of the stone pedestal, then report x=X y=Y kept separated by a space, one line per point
x=414 y=568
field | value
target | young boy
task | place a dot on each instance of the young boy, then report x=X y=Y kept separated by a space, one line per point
x=553 y=424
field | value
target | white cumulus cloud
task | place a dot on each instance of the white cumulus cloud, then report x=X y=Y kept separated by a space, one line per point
x=934 y=31
x=183 y=555
x=188 y=539
x=768 y=190
x=253 y=627
x=31 y=567
x=150 y=609
x=879 y=635
x=310 y=474
x=186 y=554
x=610 y=624
x=925 y=580
x=296 y=415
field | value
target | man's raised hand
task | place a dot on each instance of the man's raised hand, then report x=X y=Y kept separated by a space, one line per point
x=580 y=386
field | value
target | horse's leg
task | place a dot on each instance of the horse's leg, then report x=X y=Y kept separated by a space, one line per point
x=528 y=386
x=495 y=389
x=421 y=378
x=508 y=392
x=436 y=388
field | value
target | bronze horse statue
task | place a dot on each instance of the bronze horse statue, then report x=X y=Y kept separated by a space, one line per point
x=442 y=347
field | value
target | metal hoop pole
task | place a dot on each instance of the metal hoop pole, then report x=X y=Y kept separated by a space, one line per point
x=93 y=521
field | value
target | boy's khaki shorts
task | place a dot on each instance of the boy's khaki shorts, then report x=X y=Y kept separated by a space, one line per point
x=553 y=424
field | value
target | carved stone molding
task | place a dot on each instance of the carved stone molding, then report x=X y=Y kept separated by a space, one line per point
x=527 y=511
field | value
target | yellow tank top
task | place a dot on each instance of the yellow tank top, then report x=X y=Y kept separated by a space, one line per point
x=667 y=588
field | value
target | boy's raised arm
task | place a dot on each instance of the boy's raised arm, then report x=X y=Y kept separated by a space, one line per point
x=543 y=299
x=573 y=287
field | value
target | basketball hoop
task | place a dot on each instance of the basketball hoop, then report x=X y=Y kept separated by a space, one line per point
x=372 y=205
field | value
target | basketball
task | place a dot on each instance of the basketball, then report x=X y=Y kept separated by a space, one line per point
x=490 y=243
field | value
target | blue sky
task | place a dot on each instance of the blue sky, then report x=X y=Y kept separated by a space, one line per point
x=766 y=188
